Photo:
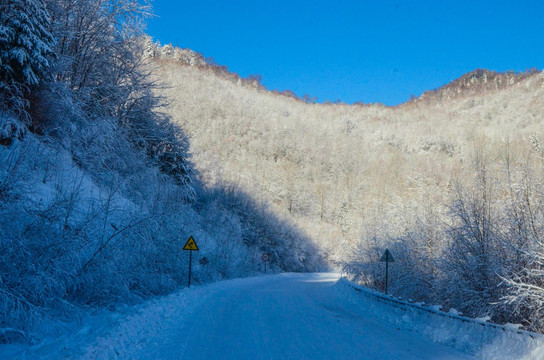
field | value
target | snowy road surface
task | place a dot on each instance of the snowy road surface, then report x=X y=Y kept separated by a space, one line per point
x=294 y=316
x=284 y=316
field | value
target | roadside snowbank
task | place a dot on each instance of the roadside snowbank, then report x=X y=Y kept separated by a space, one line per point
x=485 y=340
x=125 y=333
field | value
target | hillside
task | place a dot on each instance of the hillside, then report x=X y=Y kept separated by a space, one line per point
x=339 y=159
x=360 y=178
x=98 y=191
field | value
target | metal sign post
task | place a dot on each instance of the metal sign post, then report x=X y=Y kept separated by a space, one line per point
x=190 y=246
x=387 y=258
x=265 y=259
x=191 y=263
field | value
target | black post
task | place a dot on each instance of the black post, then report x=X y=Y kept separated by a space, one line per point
x=190 y=263
x=386 y=273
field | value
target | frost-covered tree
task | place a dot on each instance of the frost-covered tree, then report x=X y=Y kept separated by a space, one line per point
x=102 y=62
x=165 y=145
x=525 y=275
x=99 y=51
x=25 y=49
x=525 y=295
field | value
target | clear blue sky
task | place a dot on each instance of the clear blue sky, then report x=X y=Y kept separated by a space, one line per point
x=370 y=51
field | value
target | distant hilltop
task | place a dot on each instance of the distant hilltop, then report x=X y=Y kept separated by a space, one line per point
x=188 y=57
x=477 y=82
x=473 y=83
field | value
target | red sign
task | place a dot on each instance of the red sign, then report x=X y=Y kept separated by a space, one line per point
x=265 y=257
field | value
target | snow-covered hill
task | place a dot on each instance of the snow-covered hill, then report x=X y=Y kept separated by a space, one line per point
x=450 y=181
x=75 y=234
x=98 y=193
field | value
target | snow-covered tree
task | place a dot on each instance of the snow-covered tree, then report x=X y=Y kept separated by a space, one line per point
x=99 y=51
x=25 y=49
x=525 y=276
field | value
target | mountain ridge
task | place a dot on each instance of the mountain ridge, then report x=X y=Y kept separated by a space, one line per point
x=471 y=83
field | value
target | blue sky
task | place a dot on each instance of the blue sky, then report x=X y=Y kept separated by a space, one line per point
x=369 y=51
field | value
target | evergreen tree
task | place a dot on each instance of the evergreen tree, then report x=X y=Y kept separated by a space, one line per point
x=25 y=46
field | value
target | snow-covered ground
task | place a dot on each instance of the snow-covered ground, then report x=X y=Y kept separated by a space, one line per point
x=285 y=316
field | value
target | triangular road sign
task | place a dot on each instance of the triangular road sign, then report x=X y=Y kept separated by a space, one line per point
x=387 y=257
x=190 y=245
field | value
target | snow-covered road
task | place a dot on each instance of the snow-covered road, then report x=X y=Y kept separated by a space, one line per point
x=295 y=316
x=284 y=316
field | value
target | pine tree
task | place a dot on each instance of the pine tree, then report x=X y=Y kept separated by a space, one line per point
x=25 y=46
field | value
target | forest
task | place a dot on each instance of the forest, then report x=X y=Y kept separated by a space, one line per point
x=450 y=182
x=98 y=189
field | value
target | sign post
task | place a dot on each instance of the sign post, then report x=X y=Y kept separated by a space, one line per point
x=265 y=259
x=387 y=258
x=191 y=246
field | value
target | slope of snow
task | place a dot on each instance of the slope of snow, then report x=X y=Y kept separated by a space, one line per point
x=280 y=316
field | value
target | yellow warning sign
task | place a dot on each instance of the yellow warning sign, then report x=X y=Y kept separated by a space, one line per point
x=190 y=245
